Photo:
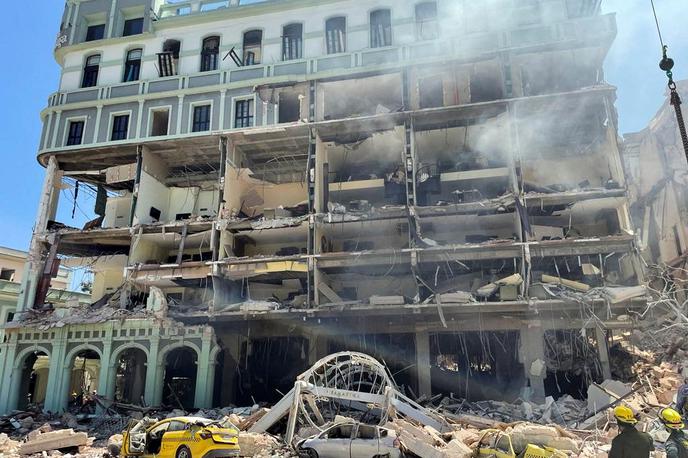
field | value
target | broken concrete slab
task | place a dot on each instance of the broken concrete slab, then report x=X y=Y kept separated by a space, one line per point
x=65 y=438
x=387 y=300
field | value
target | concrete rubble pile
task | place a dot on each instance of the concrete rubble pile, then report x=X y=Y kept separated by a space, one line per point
x=434 y=427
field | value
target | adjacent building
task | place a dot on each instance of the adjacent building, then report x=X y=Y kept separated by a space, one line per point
x=657 y=170
x=435 y=183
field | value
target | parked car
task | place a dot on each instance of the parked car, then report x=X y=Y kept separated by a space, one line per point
x=498 y=444
x=352 y=440
x=180 y=437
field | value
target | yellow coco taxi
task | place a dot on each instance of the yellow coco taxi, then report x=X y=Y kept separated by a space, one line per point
x=180 y=437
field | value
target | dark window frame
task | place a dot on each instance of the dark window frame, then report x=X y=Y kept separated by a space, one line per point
x=335 y=42
x=243 y=113
x=249 y=46
x=427 y=25
x=91 y=71
x=292 y=41
x=381 y=28
x=210 y=55
x=75 y=132
x=133 y=26
x=120 y=127
x=91 y=32
x=132 y=66
x=201 y=118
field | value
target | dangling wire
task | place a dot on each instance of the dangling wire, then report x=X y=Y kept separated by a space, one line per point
x=659 y=31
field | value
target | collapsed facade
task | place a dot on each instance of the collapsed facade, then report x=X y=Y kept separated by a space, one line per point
x=658 y=194
x=427 y=183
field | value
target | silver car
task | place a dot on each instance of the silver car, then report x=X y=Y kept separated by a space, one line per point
x=352 y=440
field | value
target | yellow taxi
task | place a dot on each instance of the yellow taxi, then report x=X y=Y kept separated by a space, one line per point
x=180 y=437
x=498 y=444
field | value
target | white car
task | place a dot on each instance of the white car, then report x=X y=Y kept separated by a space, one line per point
x=352 y=440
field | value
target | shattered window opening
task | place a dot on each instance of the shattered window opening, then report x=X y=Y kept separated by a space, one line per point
x=335 y=35
x=253 y=45
x=292 y=42
x=380 y=28
x=427 y=27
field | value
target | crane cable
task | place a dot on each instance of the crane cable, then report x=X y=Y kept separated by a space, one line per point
x=666 y=65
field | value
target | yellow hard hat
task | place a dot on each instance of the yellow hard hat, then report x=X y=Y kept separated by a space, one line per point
x=671 y=418
x=625 y=414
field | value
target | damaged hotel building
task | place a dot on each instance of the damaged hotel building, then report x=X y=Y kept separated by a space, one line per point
x=427 y=182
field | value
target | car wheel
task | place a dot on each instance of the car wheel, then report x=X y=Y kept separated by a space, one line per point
x=308 y=453
x=183 y=452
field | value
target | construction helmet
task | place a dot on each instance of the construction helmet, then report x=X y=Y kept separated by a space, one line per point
x=671 y=418
x=625 y=414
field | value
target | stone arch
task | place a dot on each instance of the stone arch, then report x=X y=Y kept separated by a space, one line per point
x=29 y=382
x=19 y=359
x=179 y=374
x=128 y=346
x=169 y=347
x=80 y=348
x=130 y=367
x=79 y=383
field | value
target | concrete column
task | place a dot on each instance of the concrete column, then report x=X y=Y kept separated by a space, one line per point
x=96 y=128
x=223 y=103
x=210 y=383
x=603 y=351
x=139 y=119
x=10 y=376
x=75 y=23
x=111 y=20
x=317 y=347
x=533 y=349
x=203 y=369
x=423 y=363
x=152 y=371
x=54 y=399
x=33 y=268
x=56 y=128
x=180 y=114
x=106 y=382
x=49 y=128
x=231 y=363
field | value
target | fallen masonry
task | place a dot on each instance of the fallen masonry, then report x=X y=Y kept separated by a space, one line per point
x=354 y=388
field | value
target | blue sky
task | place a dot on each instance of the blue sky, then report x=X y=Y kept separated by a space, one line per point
x=30 y=75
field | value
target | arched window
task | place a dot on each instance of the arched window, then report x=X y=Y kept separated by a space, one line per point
x=132 y=67
x=168 y=59
x=335 y=34
x=90 y=77
x=292 y=42
x=380 y=28
x=210 y=54
x=253 y=43
x=427 y=27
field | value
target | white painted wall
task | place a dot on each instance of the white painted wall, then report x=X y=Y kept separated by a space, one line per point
x=452 y=15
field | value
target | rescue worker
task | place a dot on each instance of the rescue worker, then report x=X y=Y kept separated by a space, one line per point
x=629 y=443
x=682 y=397
x=676 y=446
